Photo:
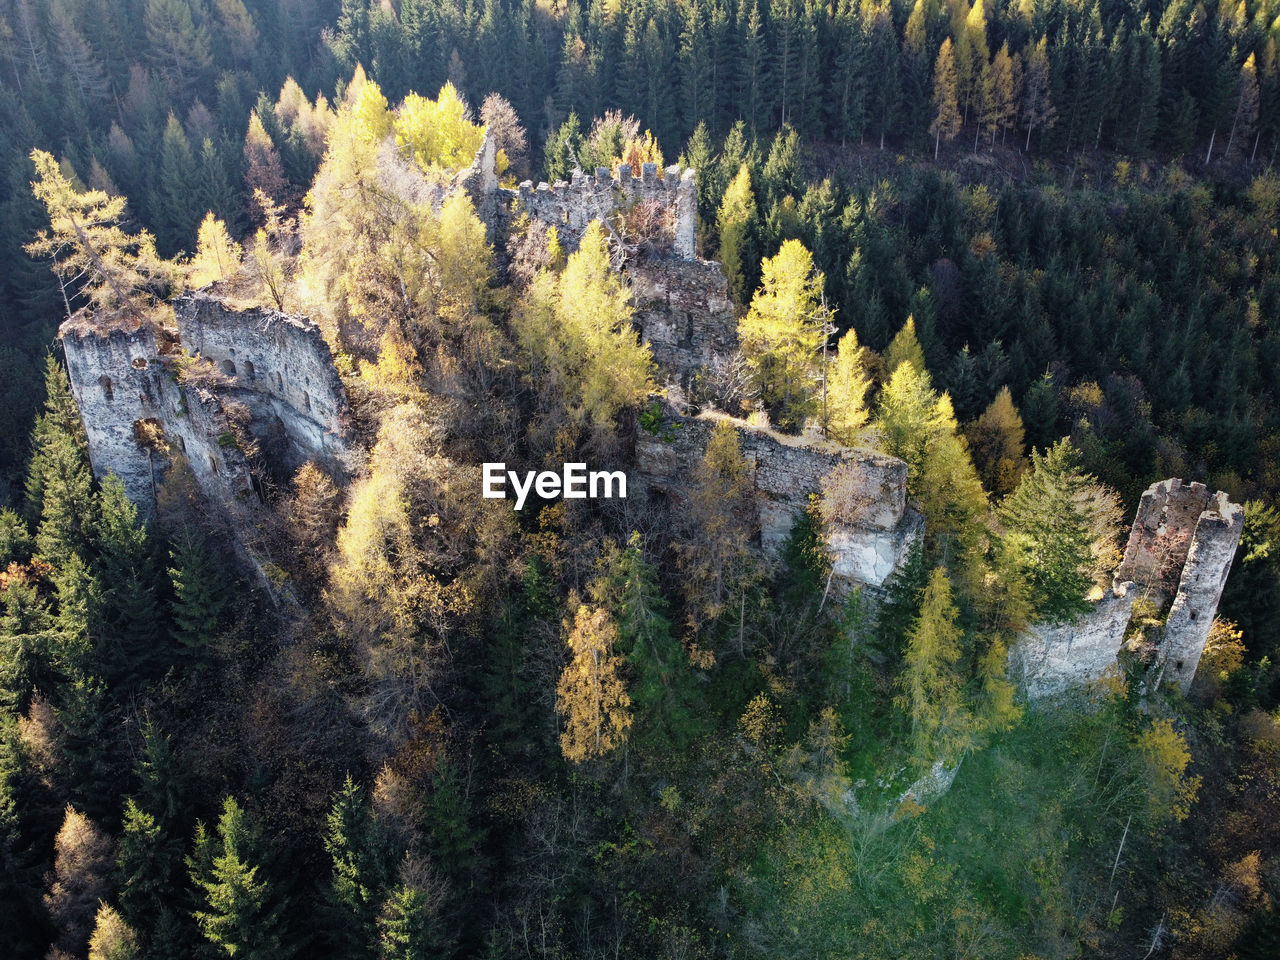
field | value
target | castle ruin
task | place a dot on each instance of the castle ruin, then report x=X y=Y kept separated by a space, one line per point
x=1180 y=551
x=230 y=381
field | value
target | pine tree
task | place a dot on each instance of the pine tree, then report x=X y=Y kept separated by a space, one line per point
x=737 y=222
x=590 y=695
x=237 y=913
x=130 y=623
x=946 y=107
x=146 y=858
x=932 y=688
x=360 y=852
x=782 y=332
x=112 y=938
x=200 y=595
x=1037 y=105
x=179 y=48
x=1245 y=120
x=1062 y=526
x=67 y=507
x=665 y=702
x=174 y=204
x=1000 y=90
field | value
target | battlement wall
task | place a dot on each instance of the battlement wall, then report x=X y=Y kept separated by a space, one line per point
x=570 y=206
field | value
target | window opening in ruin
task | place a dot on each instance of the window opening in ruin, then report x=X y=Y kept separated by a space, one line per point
x=139 y=363
x=306 y=400
x=228 y=368
x=248 y=370
x=213 y=464
x=279 y=381
x=105 y=382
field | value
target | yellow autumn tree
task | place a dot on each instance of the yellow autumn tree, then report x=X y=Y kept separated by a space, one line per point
x=781 y=333
x=217 y=256
x=591 y=697
x=846 y=412
x=932 y=688
x=437 y=134
x=575 y=330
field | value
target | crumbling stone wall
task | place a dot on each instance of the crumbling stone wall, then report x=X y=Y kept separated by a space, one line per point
x=276 y=366
x=683 y=310
x=785 y=470
x=1180 y=550
x=280 y=367
x=571 y=206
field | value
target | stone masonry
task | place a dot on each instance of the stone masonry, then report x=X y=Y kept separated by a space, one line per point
x=785 y=470
x=1179 y=553
x=278 y=367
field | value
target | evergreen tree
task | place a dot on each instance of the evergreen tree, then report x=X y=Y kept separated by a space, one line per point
x=360 y=852
x=1062 y=526
x=200 y=595
x=130 y=620
x=1037 y=104
x=175 y=205
x=661 y=684
x=905 y=348
x=237 y=913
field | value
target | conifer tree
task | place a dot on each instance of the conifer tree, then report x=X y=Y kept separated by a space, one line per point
x=782 y=332
x=200 y=595
x=117 y=273
x=737 y=222
x=905 y=348
x=847 y=386
x=359 y=851
x=715 y=557
x=237 y=914
x=60 y=419
x=590 y=695
x=112 y=938
x=665 y=704
x=1000 y=92
x=932 y=688
x=67 y=508
x=217 y=256
x=130 y=620
x=1037 y=105
x=175 y=207
x=997 y=441
x=946 y=108
x=1245 y=120
x=146 y=857
x=1063 y=527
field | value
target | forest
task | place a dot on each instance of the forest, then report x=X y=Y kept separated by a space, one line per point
x=1029 y=248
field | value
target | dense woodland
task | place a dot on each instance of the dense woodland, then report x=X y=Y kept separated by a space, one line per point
x=1028 y=248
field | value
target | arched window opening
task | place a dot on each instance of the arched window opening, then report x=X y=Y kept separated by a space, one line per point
x=105 y=382
x=228 y=368
x=248 y=370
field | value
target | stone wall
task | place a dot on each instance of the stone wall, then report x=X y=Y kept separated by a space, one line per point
x=784 y=471
x=276 y=366
x=571 y=206
x=1179 y=553
x=280 y=367
x=683 y=310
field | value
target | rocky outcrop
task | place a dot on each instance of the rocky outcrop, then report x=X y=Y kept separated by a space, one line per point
x=1180 y=550
x=867 y=545
x=228 y=371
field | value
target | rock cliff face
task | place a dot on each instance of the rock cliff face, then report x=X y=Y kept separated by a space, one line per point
x=138 y=410
x=867 y=547
x=1179 y=553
